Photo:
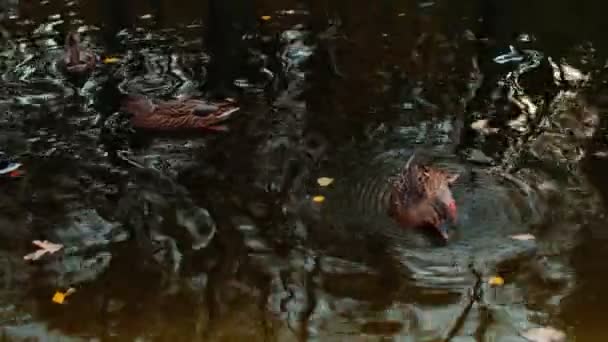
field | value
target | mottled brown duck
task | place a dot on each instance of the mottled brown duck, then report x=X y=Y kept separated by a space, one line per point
x=421 y=198
x=175 y=115
x=77 y=60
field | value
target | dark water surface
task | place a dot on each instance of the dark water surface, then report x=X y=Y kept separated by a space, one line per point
x=216 y=237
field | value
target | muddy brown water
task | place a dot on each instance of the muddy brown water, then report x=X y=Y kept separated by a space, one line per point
x=216 y=237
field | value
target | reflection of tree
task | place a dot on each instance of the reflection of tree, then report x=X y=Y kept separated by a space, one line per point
x=389 y=53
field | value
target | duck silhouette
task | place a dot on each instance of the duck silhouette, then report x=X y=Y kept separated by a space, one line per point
x=173 y=115
x=8 y=167
x=77 y=61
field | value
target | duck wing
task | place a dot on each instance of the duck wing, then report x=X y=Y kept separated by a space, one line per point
x=409 y=184
x=138 y=105
x=186 y=107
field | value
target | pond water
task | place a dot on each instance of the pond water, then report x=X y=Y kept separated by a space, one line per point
x=221 y=235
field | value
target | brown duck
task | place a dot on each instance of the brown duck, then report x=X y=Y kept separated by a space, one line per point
x=175 y=115
x=77 y=60
x=421 y=198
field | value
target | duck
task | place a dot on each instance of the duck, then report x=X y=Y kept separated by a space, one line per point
x=421 y=198
x=77 y=61
x=176 y=115
x=9 y=167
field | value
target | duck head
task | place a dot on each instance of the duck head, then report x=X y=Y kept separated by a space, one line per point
x=421 y=198
x=72 y=48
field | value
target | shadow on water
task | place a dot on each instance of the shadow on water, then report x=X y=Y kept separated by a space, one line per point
x=216 y=236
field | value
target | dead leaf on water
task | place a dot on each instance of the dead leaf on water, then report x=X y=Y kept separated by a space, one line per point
x=523 y=237
x=111 y=60
x=59 y=297
x=44 y=248
x=483 y=126
x=547 y=334
x=325 y=181
x=318 y=199
x=496 y=281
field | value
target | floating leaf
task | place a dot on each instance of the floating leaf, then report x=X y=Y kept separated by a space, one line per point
x=547 y=334
x=325 y=181
x=45 y=247
x=318 y=199
x=266 y=17
x=523 y=237
x=496 y=281
x=59 y=297
x=483 y=126
x=111 y=60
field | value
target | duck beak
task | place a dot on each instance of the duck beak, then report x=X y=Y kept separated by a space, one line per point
x=443 y=230
x=452 y=211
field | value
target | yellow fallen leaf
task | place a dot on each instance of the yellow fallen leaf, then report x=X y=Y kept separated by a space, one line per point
x=44 y=247
x=266 y=17
x=325 y=181
x=111 y=60
x=318 y=199
x=59 y=297
x=496 y=281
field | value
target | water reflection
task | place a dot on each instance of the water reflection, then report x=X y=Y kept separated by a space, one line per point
x=216 y=236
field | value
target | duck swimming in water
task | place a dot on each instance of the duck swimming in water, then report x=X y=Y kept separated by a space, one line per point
x=173 y=115
x=76 y=59
x=421 y=198
x=8 y=167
